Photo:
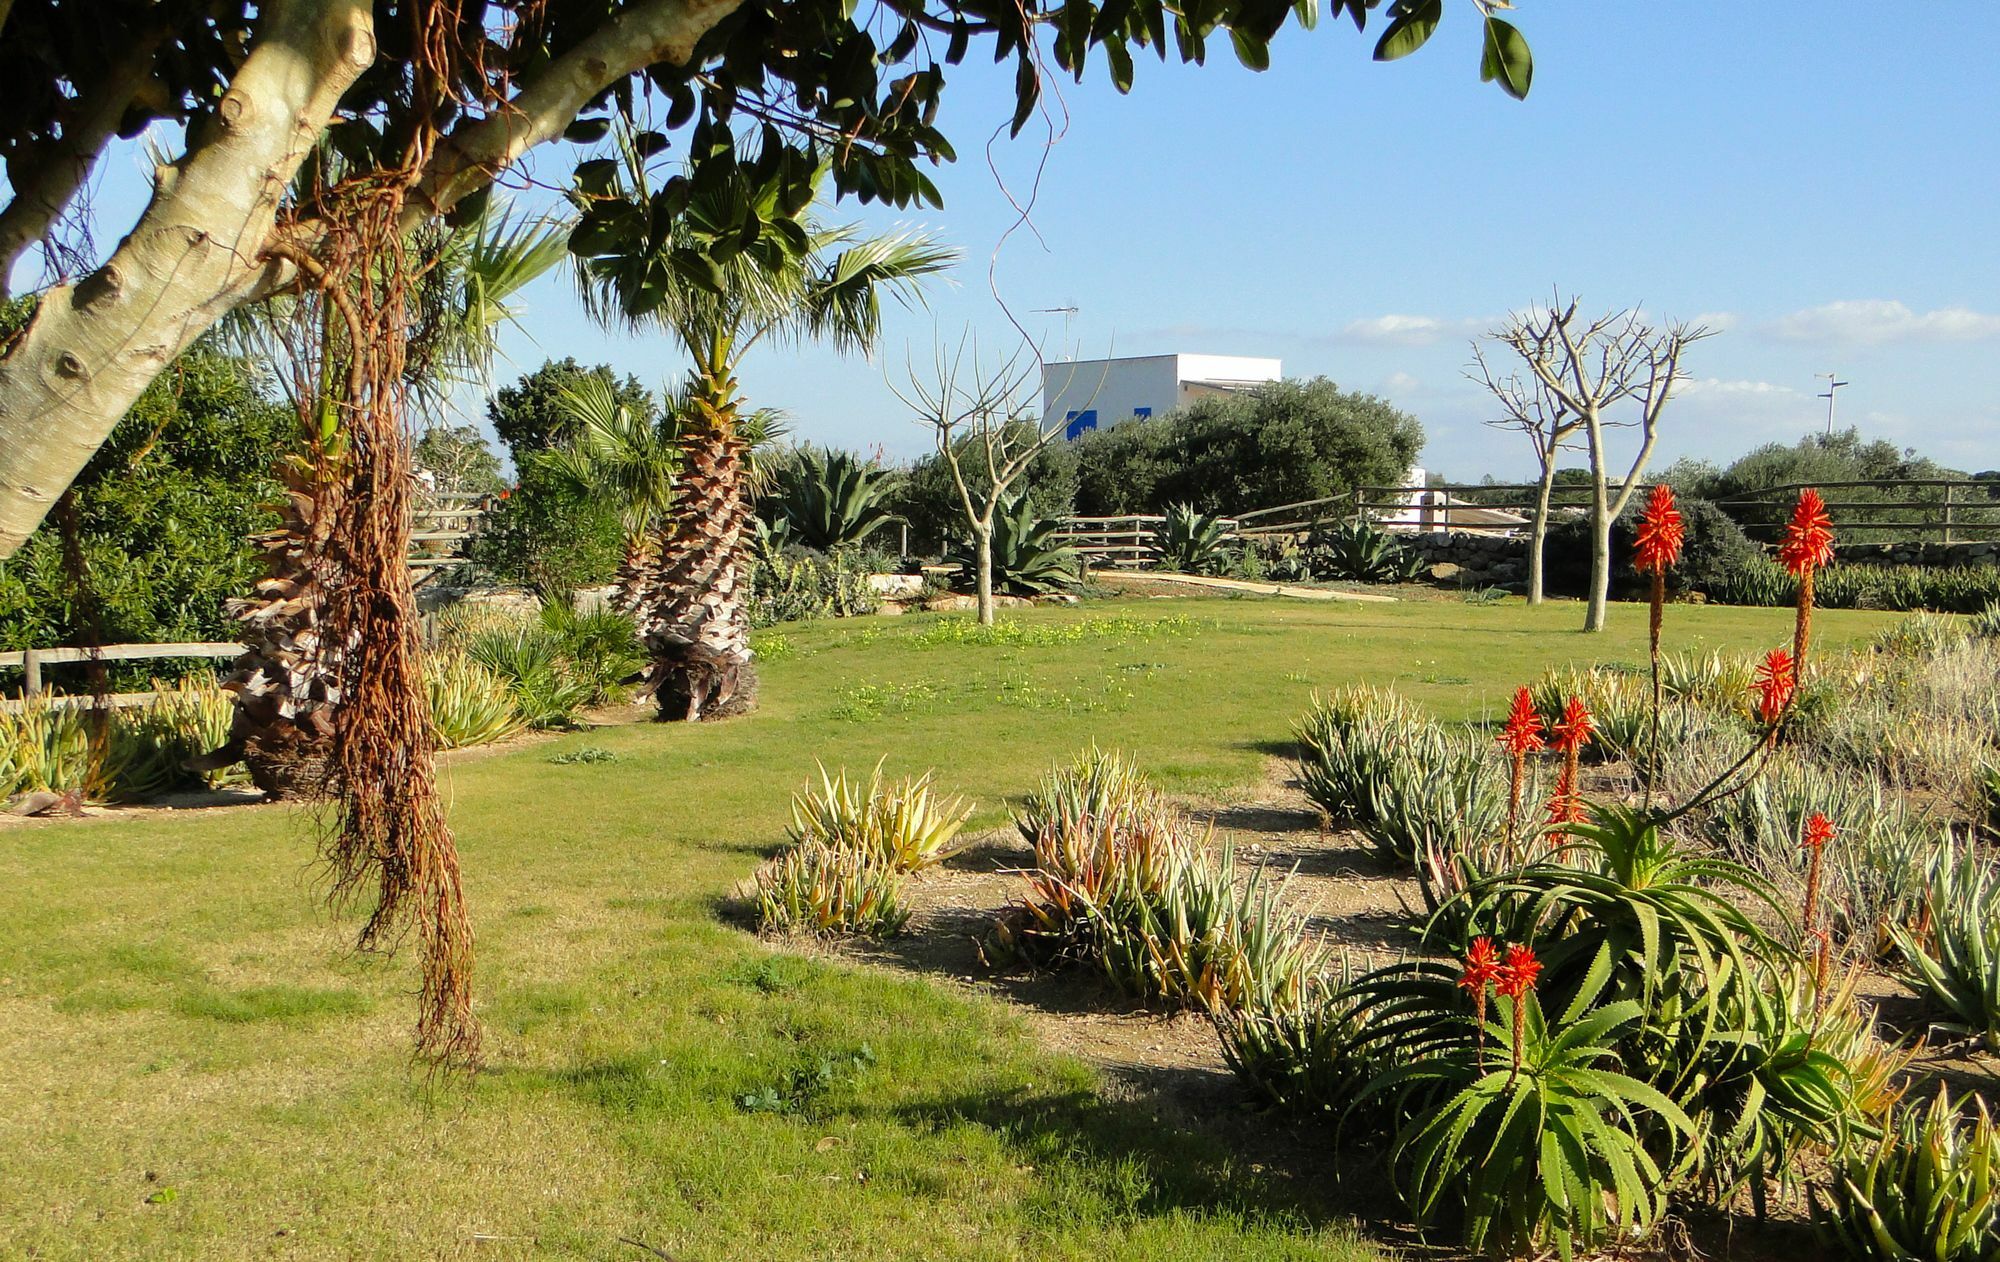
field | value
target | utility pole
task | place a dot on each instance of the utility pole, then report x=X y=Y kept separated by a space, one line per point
x=1832 y=388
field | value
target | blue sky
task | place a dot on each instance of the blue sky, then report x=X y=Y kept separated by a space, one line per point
x=1818 y=180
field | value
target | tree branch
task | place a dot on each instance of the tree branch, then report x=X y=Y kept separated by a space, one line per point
x=197 y=251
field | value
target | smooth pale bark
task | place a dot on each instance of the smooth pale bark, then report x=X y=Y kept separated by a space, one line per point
x=200 y=248
x=984 y=579
x=1538 y=532
x=198 y=251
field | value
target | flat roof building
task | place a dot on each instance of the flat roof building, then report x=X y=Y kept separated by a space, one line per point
x=1087 y=394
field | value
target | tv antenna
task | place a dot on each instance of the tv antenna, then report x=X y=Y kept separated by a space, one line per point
x=1833 y=385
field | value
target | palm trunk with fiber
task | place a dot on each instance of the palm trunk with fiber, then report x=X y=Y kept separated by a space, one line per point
x=284 y=701
x=693 y=616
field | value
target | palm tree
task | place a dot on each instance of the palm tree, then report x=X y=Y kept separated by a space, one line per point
x=720 y=297
x=632 y=462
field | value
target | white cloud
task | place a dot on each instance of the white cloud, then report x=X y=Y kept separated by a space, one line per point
x=1400 y=383
x=1405 y=330
x=1716 y=386
x=1875 y=321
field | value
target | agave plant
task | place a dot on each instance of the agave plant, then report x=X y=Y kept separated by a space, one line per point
x=829 y=499
x=1192 y=542
x=1956 y=967
x=1029 y=558
x=1361 y=552
x=1929 y=1188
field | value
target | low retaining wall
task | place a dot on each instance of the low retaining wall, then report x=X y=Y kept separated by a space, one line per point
x=1461 y=558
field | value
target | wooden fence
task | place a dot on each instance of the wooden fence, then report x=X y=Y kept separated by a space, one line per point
x=31 y=661
x=442 y=524
x=1911 y=510
x=1121 y=541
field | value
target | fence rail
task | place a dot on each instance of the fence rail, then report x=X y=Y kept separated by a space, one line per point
x=31 y=661
x=1120 y=541
x=1964 y=510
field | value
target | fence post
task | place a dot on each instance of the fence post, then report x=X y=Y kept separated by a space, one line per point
x=1950 y=495
x=31 y=671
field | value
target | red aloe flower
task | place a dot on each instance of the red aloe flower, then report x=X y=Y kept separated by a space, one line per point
x=1482 y=966
x=1518 y=971
x=1819 y=831
x=1775 y=685
x=1573 y=730
x=1808 y=542
x=1661 y=532
x=1517 y=977
x=1523 y=733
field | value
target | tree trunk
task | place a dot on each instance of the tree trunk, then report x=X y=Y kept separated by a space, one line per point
x=694 y=621
x=1600 y=553
x=1538 y=532
x=983 y=578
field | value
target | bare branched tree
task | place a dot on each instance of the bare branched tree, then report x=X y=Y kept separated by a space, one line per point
x=978 y=417
x=1614 y=371
x=1530 y=408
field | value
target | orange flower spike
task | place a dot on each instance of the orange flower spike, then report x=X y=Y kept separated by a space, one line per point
x=1522 y=734
x=1819 y=831
x=1808 y=542
x=1482 y=966
x=1574 y=730
x=1775 y=686
x=1661 y=532
x=1518 y=971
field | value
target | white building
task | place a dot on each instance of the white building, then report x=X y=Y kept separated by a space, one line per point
x=1089 y=394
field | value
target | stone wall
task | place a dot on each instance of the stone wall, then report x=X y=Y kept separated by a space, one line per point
x=1985 y=552
x=1458 y=558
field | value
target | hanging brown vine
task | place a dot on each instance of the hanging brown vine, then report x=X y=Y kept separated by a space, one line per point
x=384 y=834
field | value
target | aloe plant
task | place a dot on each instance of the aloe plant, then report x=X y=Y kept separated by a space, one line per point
x=828 y=499
x=1929 y=1188
x=905 y=823
x=1956 y=969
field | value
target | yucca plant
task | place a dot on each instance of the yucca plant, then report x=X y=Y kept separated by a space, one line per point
x=1192 y=542
x=1928 y=1189
x=905 y=824
x=1955 y=967
x=828 y=499
x=824 y=891
x=470 y=705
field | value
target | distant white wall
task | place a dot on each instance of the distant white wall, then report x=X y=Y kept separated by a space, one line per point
x=1099 y=393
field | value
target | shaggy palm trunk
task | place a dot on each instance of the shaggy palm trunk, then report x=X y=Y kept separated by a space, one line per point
x=284 y=699
x=693 y=615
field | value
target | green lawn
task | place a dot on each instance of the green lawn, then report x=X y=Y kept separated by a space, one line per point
x=192 y=1064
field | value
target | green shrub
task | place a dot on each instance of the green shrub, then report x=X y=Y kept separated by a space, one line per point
x=1559 y=1153
x=1348 y=748
x=1028 y=554
x=1716 y=549
x=1929 y=1188
x=794 y=584
x=600 y=648
x=827 y=500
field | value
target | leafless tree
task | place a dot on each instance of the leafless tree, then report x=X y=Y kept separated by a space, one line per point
x=1611 y=371
x=978 y=417
x=1528 y=407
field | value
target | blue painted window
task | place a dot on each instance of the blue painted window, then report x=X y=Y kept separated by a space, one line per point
x=1079 y=422
x=1143 y=413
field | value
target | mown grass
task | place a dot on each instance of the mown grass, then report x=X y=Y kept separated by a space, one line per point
x=195 y=1065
